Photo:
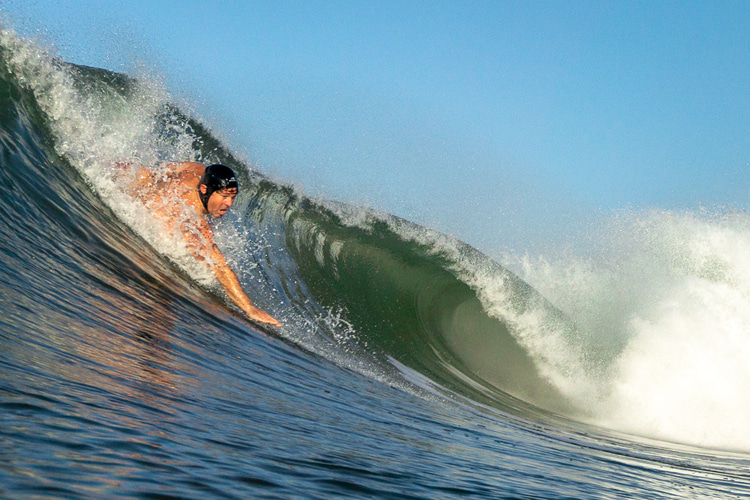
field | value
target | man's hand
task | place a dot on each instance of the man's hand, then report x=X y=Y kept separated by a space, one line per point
x=260 y=316
x=231 y=285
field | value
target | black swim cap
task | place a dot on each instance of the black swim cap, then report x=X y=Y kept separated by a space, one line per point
x=216 y=177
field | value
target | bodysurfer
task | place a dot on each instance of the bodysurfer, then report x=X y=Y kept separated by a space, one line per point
x=202 y=191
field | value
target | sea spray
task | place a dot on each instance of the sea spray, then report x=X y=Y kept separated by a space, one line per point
x=663 y=305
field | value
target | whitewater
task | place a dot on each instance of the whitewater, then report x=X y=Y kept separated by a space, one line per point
x=409 y=364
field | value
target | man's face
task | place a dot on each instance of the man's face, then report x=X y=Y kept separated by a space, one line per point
x=220 y=201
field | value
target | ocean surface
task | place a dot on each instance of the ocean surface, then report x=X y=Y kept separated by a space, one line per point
x=409 y=364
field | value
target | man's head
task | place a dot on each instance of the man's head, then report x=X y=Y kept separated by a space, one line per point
x=217 y=188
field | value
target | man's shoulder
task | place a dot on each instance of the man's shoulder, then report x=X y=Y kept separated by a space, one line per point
x=186 y=169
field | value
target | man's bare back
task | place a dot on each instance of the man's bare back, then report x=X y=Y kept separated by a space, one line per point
x=182 y=196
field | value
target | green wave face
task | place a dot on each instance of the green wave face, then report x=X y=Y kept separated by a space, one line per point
x=404 y=297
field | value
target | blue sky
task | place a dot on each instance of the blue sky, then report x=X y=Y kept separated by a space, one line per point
x=480 y=118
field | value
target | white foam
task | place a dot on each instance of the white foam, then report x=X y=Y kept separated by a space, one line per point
x=664 y=306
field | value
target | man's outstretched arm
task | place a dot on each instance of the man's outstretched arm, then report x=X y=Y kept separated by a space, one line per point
x=232 y=287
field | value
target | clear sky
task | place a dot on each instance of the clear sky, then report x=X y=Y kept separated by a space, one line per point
x=479 y=117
